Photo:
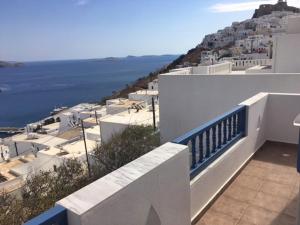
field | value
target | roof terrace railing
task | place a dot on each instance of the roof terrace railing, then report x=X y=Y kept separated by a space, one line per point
x=213 y=138
x=54 y=216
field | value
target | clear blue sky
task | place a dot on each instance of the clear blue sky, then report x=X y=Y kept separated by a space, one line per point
x=76 y=29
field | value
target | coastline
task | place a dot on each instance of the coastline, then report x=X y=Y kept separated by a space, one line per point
x=141 y=83
x=43 y=86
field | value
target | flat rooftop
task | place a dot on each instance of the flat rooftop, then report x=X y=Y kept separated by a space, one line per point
x=70 y=134
x=41 y=139
x=122 y=102
x=90 y=120
x=51 y=126
x=264 y=193
x=71 y=150
x=93 y=130
x=77 y=148
x=146 y=92
x=142 y=117
x=85 y=106
x=5 y=167
x=44 y=139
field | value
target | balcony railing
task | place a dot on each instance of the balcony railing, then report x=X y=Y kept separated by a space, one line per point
x=213 y=138
x=54 y=216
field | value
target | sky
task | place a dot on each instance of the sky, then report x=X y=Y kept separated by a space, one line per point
x=37 y=30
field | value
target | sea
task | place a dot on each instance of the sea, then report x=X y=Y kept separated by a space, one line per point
x=30 y=92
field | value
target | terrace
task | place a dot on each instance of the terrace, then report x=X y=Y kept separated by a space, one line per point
x=264 y=192
x=239 y=168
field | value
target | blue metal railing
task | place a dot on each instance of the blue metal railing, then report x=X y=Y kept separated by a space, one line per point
x=213 y=138
x=54 y=216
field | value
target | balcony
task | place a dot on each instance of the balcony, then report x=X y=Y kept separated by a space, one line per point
x=239 y=168
x=264 y=192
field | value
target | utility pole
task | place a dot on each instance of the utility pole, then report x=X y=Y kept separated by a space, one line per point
x=153 y=113
x=96 y=116
x=16 y=149
x=86 y=153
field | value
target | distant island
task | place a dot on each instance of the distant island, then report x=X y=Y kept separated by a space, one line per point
x=128 y=57
x=10 y=64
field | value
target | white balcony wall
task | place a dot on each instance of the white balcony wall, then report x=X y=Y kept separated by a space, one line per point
x=270 y=117
x=189 y=101
x=282 y=110
x=152 y=190
x=286 y=53
x=287 y=47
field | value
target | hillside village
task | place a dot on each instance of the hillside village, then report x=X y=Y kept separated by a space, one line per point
x=72 y=133
x=242 y=40
x=239 y=43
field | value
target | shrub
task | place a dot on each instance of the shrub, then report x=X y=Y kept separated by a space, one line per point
x=124 y=147
x=42 y=190
x=11 y=210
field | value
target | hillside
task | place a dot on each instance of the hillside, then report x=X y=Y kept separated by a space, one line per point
x=226 y=40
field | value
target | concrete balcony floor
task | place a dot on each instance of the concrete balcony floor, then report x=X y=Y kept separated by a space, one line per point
x=264 y=193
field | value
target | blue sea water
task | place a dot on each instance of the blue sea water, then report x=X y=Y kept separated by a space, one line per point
x=30 y=92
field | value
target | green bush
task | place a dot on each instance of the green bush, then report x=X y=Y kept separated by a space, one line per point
x=125 y=147
x=41 y=190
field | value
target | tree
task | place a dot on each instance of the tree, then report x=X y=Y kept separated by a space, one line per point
x=125 y=147
x=43 y=189
x=11 y=210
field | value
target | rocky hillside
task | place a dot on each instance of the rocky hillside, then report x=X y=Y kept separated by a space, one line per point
x=193 y=55
x=267 y=9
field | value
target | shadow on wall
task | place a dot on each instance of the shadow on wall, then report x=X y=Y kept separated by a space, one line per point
x=153 y=218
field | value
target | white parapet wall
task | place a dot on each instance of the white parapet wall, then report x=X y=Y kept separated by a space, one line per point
x=287 y=47
x=282 y=110
x=245 y=64
x=187 y=102
x=286 y=53
x=220 y=68
x=151 y=190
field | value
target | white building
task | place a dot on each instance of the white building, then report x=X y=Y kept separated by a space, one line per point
x=30 y=143
x=72 y=117
x=112 y=124
x=256 y=43
x=144 y=96
x=118 y=105
x=153 y=85
x=93 y=134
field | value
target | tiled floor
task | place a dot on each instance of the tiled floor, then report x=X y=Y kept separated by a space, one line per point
x=264 y=193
